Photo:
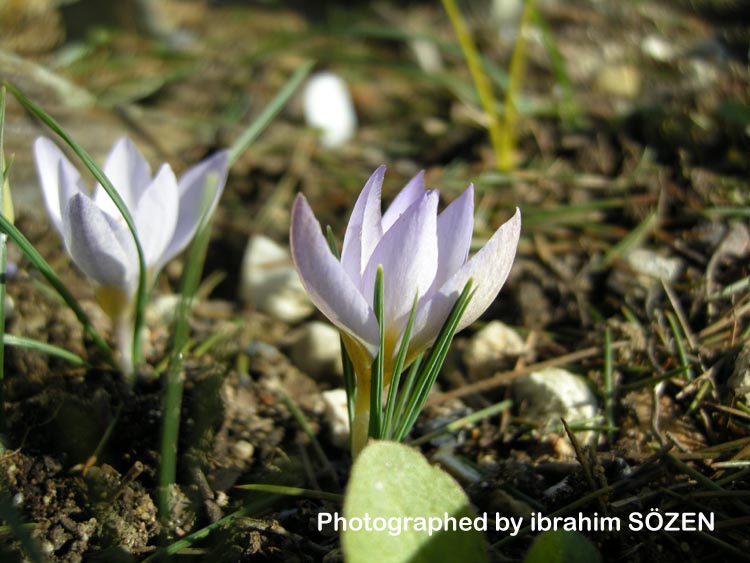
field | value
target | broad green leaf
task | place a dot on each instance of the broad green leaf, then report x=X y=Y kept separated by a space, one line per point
x=560 y=546
x=401 y=495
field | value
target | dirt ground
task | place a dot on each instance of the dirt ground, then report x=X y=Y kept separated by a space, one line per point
x=632 y=150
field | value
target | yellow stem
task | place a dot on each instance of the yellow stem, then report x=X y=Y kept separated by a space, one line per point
x=507 y=147
x=481 y=82
x=361 y=423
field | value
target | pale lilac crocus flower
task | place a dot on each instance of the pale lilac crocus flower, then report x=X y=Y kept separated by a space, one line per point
x=166 y=212
x=422 y=253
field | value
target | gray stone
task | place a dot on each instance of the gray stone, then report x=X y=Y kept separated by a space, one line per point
x=270 y=283
x=336 y=416
x=551 y=393
x=490 y=347
x=317 y=350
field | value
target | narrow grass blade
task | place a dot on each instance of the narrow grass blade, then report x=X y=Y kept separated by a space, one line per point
x=292 y=492
x=175 y=377
x=44 y=348
x=629 y=241
x=405 y=393
x=4 y=194
x=96 y=171
x=377 y=375
x=301 y=419
x=271 y=110
x=464 y=421
x=44 y=268
x=184 y=543
x=390 y=403
x=434 y=362
x=677 y=334
x=9 y=515
x=651 y=381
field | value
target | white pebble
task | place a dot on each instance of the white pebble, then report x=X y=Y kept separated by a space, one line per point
x=317 y=350
x=551 y=393
x=336 y=416
x=329 y=108
x=491 y=345
x=270 y=283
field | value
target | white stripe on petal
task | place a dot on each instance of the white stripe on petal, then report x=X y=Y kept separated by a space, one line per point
x=58 y=177
x=99 y=244
x=128 y=172
x=156 y=215
x=191 y=188
x=489 y=269
x=410 y=193
x=455 y=226
x=364 y=229
x=408 y=253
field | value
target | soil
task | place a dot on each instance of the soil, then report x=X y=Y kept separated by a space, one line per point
x=642 y=142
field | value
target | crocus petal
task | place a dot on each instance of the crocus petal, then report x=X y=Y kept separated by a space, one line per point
x=128 y=172
x=58 y=177
x=210 y=174
x=364 y=229
x=488 y=268
x=408 y=253
x=329 y=286
x=455 y=226
x=410 y=193
x=156 y=215
x=99 y=244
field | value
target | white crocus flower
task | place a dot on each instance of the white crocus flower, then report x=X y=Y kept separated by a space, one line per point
x=166 y=212
x=422 y=252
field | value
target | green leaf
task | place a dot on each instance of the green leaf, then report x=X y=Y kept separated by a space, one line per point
x=43 y=347
x=393 y=482
x=560 y=546
x=429 y=373
x=269 y=112
x=376 y=378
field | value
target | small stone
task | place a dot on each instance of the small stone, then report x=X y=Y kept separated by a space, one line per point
x=243 y=450
x=317 y=350
x=162 y=309
x=655 y=266
x=270 y=283
x=490 y=347
x=10 y=308
x=329 y=108
x=622 y=80
x=656 y=47
x=336 y=416
x=644 y=270
x=552 y=393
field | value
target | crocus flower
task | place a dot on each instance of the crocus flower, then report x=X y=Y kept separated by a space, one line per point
x=422 y=254
x=166 y=212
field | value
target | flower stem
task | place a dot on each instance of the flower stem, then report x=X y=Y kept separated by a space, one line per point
x=124 y=336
